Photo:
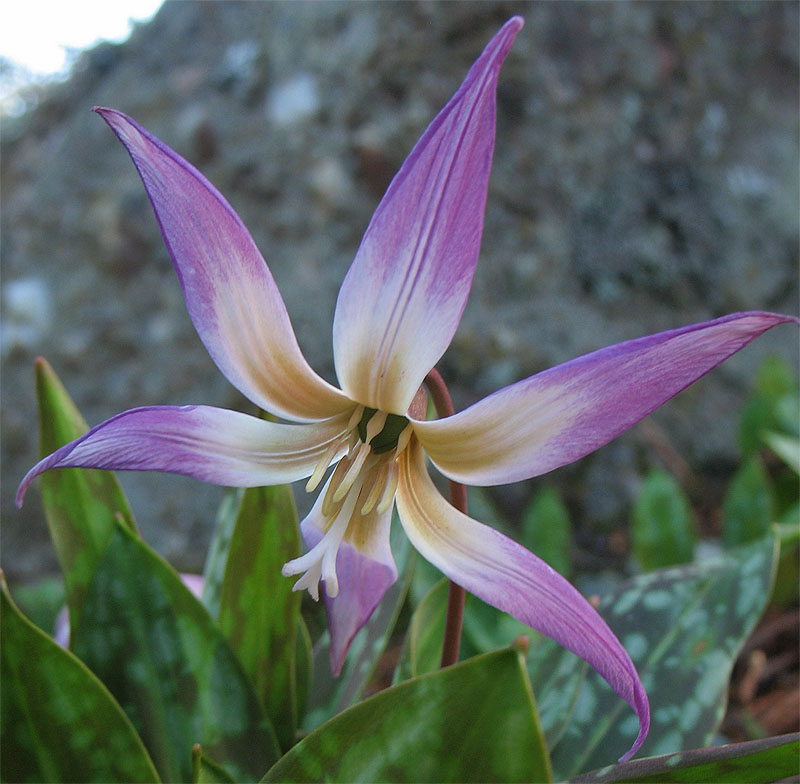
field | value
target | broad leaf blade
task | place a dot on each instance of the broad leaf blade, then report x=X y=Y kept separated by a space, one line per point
x=206 y=771
x=749 y=505
x=547 y=530
x=80 y=504
x=258 y=609
x=59 y=722
x=663 y=529
x=474 y=721
x=683 y=628
x=214 y=569
x=555 y=674
x=157 y=649
x=769 y=759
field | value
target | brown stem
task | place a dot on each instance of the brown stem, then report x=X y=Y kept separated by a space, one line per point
x=458 y=498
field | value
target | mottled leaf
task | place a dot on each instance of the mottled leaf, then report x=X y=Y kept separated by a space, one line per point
x=786 y=447
x=555 y=674
x=60 y=723
x=474 y=721
x=331 y=695
x=683 y=627
x=748 y=507
x=775 y=382
x=258 y=609
x=663 y=528
x=206 y=771
x=80 y=505
x=303 y=666
x=769 y=759
x=547 y=531
x=217 y=557
x=158 y=651
x=41 y=601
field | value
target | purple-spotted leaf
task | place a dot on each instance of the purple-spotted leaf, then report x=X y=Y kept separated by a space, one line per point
x=683 y=627
x=768 y=759
x=474 y=721
x=258 y=610
x=330 y=695
x=80 y=505
x=154 y=645
x=60 y=723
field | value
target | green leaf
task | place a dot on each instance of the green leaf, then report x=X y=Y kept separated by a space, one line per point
x=748 y=506
x=60 y=723
x=474 y=721
x=555 y=674
x=422 y=651
x=304 y=668
x=663 y=529
x=41 y=601
x=158 y=651
x=683 y=628
x=258 y=609
x=547 y=531
x=787 y=448
x=769 y=759
x=80 y=504
x=769 y=404
x=331 y=695
x=206 y=771
x=214 y=569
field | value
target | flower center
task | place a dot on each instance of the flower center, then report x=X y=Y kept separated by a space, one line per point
x=361 y=488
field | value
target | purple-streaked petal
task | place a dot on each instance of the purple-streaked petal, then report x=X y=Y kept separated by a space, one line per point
x=365 y=569
x=231 y=296
x=211 y=444
x=404 y=294
x=507 y=576
x=563 y=413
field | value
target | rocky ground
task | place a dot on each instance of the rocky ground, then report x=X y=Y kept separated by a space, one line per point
x=646 y=176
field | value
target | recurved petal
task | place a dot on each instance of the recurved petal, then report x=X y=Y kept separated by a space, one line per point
x=404 y=294
x=231 y=296
x=507 y=576
x=211 y=444
x=365 y=569
x=563 y=413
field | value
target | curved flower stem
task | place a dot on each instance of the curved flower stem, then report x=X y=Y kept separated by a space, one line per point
x=458 y=498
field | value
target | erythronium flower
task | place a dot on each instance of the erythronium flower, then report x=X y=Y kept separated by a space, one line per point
x=397 y=310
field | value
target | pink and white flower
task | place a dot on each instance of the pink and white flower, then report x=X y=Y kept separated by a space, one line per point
x=396 y=313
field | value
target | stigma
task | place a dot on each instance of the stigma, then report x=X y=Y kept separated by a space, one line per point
x=361 y=488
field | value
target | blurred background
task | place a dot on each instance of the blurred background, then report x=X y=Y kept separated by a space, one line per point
x=645 y=177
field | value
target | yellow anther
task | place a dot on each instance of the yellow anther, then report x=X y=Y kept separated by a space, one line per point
x=352 y=473
x=376 y=490
x=391 y=488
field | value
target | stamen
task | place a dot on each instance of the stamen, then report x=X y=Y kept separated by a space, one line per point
x=338 y=474
x=322 y=466
x=356 y=417
x=391 y=488
x=403 y=439
x=376 y=490
x=352 y=473
x=375 y=425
